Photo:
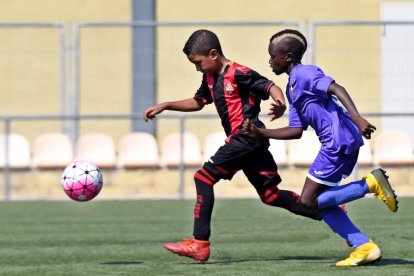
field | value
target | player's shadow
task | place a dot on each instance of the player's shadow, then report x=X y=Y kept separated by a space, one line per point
x=298 y=258
x=384 y=262
x=122 y=263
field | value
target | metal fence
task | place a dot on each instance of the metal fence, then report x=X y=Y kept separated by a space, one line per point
x=374 y=60
x=82 y=81
x=33 y=61
x=106 y=60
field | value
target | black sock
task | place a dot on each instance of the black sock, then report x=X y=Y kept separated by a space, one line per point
x=204 y=206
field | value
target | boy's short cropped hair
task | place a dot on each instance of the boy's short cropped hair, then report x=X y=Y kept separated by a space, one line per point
x=201 y=42
x=294 y=40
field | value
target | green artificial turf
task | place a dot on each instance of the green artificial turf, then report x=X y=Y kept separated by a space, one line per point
x=248 y=238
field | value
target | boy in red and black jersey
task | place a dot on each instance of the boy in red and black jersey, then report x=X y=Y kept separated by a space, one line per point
x=236 y=92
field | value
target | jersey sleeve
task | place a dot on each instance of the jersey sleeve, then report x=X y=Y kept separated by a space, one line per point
x=321 y=82
x=295 y=119
x=203 y=94
x=312 y=80
x=257 y=85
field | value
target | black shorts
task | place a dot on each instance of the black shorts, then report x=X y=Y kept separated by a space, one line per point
x=253 y=158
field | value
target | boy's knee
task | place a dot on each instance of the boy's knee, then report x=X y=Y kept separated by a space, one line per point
x=308 y=202
x=205 y=177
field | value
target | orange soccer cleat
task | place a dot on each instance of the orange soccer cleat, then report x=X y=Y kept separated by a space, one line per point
x=196 y=249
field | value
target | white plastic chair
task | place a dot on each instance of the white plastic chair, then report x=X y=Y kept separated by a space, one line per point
x=212 y=143
x=97 y=148
x=171 y=150
x=52 y=151
x=138 y=150
x=18 y=152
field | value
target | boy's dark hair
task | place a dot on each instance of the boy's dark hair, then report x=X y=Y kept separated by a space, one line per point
x=293 y=41
x=201 y=42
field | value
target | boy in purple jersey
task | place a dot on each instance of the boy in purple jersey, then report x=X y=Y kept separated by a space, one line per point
x=236 y=92
x=313 y=101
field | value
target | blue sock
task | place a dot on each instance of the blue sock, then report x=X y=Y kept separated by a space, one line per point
x=340 y=223
x=342 y=194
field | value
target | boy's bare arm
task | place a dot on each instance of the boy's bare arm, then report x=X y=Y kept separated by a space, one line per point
x=365 y=128
x=182 y=105
x=284 y=133
x=279 y=106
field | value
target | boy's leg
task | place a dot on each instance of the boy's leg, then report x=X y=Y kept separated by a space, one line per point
x=334 y=196
x=339 y=222
x=320 y=191
x=376 y=182
x=327 y=171
x=261 y=170
x=333 y=215
x=366 y=251
x=204 y=182
x=199 y=247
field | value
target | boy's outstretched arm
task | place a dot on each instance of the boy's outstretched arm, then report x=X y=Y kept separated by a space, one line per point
x=182 y=105
x=279 y=106
x=284 y=133
x=365 y=127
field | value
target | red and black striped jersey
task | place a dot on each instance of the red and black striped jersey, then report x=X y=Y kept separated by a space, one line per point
x=237 y=94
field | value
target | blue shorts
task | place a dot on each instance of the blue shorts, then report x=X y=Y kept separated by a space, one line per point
x=330 y=166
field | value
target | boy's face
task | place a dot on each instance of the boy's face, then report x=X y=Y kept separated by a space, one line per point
x=205 y=64
x=278 y=59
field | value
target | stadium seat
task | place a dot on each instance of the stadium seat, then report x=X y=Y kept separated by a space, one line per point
x=303 y=151
x=365 y=157
x=18 y=154
x=97 y=148
x=393 y=148
x=138 y=150
x=278 y=150
x=52 y=151
x=171 y=150
x=212 y=143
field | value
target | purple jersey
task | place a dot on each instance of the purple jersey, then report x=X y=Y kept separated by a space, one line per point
x=311 y=105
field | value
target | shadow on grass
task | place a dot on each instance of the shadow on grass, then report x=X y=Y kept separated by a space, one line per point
x=384 y=262
x=122 y=263
x=287 y=258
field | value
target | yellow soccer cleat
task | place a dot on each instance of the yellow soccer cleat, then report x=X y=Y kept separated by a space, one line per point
x=378 y=184
x=363 y=254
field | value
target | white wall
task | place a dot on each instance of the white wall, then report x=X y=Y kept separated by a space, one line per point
x=397 y=80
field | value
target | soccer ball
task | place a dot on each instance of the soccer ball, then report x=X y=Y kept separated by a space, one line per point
x=81 y=181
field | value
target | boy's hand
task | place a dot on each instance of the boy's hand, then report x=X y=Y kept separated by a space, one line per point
x=152 y=111
x=277 y=110
x=365 y=128
x=250 y=129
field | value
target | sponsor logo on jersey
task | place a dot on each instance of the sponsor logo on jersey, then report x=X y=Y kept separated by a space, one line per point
x=229 y=88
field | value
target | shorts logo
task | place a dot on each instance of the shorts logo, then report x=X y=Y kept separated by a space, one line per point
x=229 y=88
x=318 y=172
x=210 y=86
